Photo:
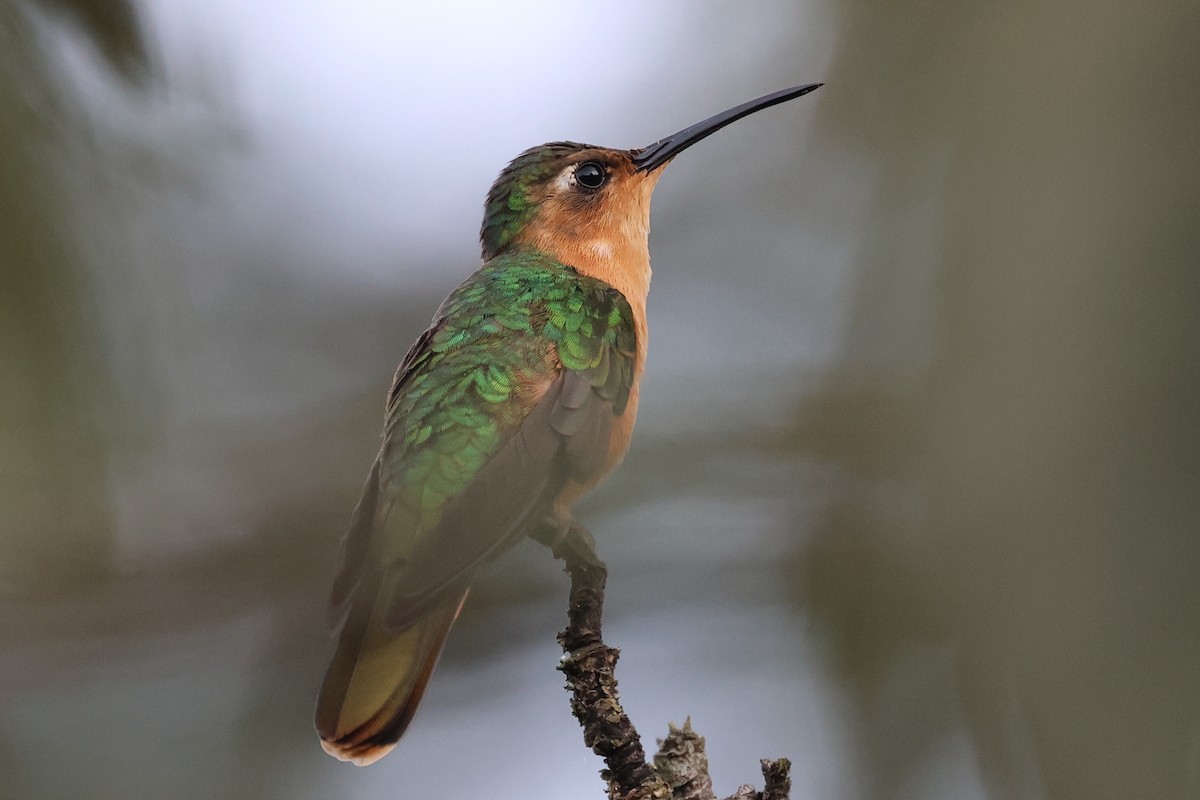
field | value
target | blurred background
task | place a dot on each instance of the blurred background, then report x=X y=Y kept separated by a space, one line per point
x=915 y=496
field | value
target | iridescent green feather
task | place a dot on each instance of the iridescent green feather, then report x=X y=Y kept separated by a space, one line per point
x=516 y=322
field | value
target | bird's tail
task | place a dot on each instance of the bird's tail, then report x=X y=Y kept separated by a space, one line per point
x=377 y=677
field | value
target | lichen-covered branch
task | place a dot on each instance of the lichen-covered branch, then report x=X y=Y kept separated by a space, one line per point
x=589 y=666
x=680 y=770
x=683 y=763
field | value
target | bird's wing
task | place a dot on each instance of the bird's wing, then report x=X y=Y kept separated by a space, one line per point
x=511 y=392
x=357 y=541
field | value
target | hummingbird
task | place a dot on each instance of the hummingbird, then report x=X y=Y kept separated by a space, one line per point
x=519 y=398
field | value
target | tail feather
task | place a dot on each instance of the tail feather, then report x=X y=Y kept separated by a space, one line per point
x=377 y=677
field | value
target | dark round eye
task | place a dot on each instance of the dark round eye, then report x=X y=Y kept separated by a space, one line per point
x=590 y=175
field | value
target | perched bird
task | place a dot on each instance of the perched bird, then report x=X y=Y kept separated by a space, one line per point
x=519 y=398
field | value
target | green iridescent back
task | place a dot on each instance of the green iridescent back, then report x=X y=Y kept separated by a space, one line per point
x=469 y=382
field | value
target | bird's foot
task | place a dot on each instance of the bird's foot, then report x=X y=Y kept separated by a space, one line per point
x=569 y=541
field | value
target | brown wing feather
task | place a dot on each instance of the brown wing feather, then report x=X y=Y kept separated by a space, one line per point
x=585 y=420
x=356 y=543
x=355 y=546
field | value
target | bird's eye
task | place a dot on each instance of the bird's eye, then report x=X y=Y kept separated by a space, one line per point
x=590 y=175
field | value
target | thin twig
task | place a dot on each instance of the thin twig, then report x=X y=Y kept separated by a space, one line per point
x=680 y=770
x=589 y=666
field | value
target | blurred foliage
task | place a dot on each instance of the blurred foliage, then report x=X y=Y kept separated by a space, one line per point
x=1015 y=530
x=113 y=27
x=57 y=525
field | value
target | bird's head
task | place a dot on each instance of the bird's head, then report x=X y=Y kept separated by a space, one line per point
x=588 y=206
x=567 y=195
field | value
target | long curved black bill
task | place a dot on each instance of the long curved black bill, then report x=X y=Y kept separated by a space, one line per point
x=662 y=151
